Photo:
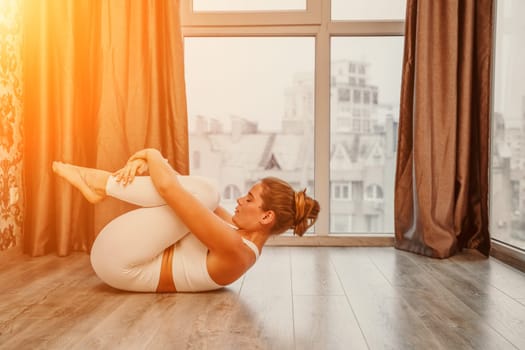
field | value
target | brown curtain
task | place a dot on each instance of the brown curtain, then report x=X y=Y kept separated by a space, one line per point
x=102 y=79
x=441 y=203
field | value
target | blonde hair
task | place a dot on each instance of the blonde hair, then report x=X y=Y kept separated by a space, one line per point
x=295 y=210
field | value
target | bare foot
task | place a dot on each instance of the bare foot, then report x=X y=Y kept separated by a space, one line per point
x=77 y=176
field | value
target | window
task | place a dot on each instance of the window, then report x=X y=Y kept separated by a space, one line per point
x=341 y=191
x=281 y=77
x=507 y=197
x=374 y=193
x=357 y=96
x=366 y=97
x=344 y=95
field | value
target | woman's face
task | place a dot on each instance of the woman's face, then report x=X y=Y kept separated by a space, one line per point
x=249 y=209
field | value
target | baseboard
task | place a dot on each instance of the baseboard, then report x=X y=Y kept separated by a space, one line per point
x=509 y=255
x=333 y=240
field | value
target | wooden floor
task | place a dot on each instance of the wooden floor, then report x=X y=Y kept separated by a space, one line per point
x=294 y=298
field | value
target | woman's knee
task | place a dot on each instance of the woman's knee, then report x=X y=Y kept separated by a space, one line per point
x=205 y=189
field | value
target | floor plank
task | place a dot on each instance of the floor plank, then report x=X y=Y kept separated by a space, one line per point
x=326 y=322
x=35 y=291
x=133 y=321
x=495 y=313
x=454 y=322
x=267 y=293
x=313 y=272
x=387 y=321
x=271 y=275
x=195 y=321
x=493 y=272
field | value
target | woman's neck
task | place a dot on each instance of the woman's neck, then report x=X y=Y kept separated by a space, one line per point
x=257 y=237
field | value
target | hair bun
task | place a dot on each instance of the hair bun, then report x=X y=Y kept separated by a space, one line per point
x=299 y=205
x=306 y=211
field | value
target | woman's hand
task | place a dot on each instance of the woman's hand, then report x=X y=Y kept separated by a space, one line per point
x=137 y=164
x=132 y=168
x=143 y=154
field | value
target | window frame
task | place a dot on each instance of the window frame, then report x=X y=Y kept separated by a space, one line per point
x=312 y=15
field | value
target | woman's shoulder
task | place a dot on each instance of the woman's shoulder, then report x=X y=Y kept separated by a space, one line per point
x=226 y=268
x=252 y=246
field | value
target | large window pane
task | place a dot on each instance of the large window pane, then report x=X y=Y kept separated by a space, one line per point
x=368 y=10
x=508 y=129
x=252 y=5
x=364 y=114
x=250 y=109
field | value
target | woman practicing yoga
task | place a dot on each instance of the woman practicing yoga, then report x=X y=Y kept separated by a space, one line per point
x=181 y=239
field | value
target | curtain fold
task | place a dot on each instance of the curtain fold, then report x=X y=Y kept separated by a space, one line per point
x=102 y=79
x=441 y=192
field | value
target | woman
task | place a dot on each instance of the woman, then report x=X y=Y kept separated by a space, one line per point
x=181 y=240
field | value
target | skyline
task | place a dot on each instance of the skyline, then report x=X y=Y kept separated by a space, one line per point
x=247 y=77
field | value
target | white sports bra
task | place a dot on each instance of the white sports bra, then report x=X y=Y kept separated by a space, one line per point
x=190 y=273
x=252 y=246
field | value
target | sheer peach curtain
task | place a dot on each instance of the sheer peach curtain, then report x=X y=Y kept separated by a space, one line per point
x=441 y=193
x=102 y=79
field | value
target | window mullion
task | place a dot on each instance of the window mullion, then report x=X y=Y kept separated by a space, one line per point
x=322 y=123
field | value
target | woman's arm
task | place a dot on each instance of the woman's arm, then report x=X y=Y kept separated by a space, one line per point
x=211 y=229
x=224 y=214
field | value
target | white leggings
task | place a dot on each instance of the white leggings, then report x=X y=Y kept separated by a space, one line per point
x=127 y=253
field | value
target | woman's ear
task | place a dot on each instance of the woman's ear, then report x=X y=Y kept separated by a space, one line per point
x=268 y=217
